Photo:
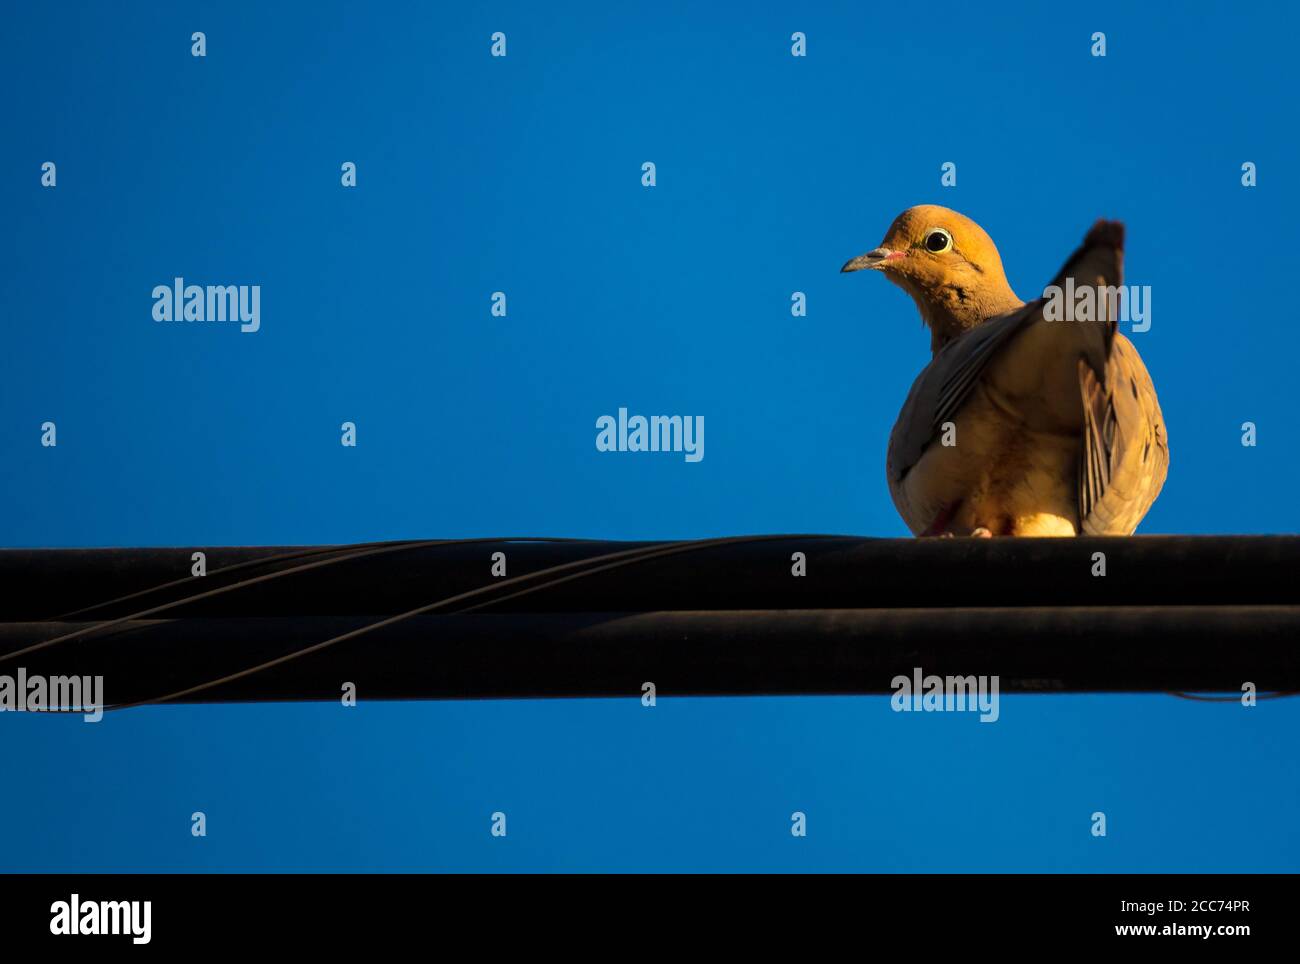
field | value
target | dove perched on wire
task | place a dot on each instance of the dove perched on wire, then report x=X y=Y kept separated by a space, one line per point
x=1020 y=425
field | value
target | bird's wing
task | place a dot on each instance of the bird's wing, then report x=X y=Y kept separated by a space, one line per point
x=1041 y=365
x=1124 y=450
x=1125 y=453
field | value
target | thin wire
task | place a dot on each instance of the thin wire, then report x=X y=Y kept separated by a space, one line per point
x=613 y=560
x=264 y=560
x=378 y=549
x=1197 y=698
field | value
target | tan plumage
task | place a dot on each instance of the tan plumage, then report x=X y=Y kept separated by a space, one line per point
x=1055 y=424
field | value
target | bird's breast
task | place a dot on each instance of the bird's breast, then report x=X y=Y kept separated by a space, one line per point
x=993 y=470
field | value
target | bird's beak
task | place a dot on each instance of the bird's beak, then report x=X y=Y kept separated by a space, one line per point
x=873 y=260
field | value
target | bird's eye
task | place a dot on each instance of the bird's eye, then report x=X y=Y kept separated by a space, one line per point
x=938 y=241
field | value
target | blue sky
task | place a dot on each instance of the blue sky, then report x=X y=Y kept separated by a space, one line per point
x=523 y=174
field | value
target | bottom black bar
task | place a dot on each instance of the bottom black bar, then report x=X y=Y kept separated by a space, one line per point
x=336 y=913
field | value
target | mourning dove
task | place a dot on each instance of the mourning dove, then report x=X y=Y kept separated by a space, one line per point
x=1020 y=425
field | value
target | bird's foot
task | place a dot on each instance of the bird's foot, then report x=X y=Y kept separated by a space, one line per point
x=977 y=533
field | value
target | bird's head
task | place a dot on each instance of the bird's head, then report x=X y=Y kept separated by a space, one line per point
x=948 y=264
